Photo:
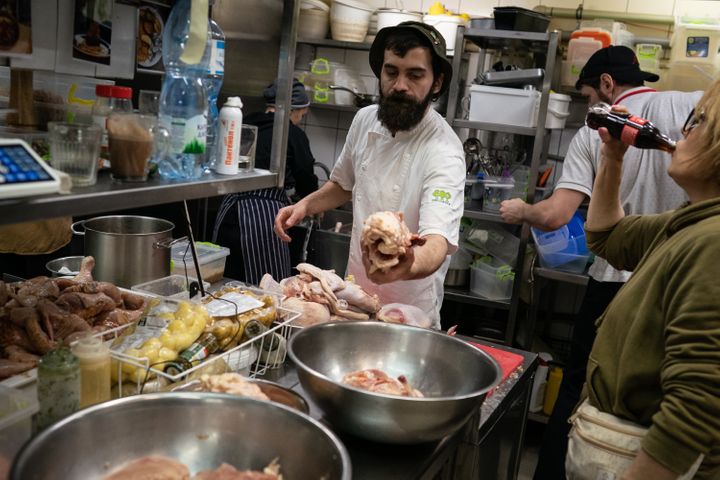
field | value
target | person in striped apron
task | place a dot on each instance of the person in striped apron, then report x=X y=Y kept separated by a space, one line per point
x=244 y=222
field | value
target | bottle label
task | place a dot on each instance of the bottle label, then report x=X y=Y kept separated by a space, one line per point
x=187 y=135
x=217 y=58
x=629 y=132
x=230 y=146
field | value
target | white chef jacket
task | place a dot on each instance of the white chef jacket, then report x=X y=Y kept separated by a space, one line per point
x=421 y=173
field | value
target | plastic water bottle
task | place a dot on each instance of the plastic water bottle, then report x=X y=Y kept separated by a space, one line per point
x=213 y=82
x=183 y=101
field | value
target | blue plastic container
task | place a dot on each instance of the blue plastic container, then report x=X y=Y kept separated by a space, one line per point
x=564 y=248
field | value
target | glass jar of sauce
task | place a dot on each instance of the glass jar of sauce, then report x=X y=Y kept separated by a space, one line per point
x=94 y=358
x=58 y=388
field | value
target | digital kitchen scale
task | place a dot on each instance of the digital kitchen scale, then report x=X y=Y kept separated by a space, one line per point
x=23 y=173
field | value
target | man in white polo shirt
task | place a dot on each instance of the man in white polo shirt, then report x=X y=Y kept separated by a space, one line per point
x=611 y=75
x=400 y=155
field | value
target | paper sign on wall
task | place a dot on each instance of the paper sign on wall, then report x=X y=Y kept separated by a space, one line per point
x=15 y=28
x=92 y=31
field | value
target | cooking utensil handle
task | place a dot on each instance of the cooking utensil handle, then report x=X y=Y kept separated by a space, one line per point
x=168 y=242
x=78 y=232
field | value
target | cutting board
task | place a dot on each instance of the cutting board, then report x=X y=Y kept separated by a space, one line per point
x=508 y=361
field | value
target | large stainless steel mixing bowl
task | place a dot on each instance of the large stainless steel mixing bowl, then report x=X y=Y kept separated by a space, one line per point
x=453 y=376
x=202 y=430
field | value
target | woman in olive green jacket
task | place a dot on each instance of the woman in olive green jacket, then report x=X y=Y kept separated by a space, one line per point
x=656 y=359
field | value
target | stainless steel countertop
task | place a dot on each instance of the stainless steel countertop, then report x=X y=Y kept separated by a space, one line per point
x=377 y=461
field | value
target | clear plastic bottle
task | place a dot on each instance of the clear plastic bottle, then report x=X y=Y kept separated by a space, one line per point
x=101 y=110
x=183 y=102
x=94 y=359
x=213 y=83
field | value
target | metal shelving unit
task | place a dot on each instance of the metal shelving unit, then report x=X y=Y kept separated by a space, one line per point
x=108 y=195
x=326 y=42
x=505 y=40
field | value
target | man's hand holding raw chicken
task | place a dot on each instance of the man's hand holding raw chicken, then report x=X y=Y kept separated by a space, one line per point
x=391 y=253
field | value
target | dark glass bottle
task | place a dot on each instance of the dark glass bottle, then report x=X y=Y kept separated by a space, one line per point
x=627 y=128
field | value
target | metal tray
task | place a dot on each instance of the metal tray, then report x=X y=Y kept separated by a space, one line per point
x=521 y=76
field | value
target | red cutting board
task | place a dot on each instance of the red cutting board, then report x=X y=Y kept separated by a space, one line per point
x=508 y=361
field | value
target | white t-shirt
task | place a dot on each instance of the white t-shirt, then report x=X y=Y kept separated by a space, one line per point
x=421 y=173
x=645 y=187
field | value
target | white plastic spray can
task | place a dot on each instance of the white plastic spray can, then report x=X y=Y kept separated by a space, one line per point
x=229 y=125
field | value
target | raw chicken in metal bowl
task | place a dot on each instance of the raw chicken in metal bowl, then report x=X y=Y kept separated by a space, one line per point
x=452 y=376
x=200 y=430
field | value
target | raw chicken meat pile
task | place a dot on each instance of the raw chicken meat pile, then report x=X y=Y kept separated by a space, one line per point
x=321 y=296
x=233 y=383
x=385 y=239
x=155 y=467
x=38 y=314
x=378 y=381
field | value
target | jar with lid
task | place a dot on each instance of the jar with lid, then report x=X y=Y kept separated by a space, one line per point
x=94 y=357
x=58 y=387
x=109 y=99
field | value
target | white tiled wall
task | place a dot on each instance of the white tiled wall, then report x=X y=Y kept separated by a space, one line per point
x=327 y=130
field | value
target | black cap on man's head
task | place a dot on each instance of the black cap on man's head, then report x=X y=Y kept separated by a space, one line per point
x=619 y=62
x=428 y=33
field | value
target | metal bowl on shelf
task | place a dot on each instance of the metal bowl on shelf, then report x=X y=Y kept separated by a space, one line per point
x=453 y=376
x=59 y=267
x=201 y=430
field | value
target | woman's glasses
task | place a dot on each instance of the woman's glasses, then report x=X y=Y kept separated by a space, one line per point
x=693 y=120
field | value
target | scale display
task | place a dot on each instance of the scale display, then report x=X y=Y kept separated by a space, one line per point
x=22 y=172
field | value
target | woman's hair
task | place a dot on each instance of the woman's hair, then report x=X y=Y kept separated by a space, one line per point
x=709 y=105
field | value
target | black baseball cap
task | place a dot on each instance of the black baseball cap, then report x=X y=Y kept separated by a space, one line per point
x=435 y=41
x=619 y=62
x=299 y=97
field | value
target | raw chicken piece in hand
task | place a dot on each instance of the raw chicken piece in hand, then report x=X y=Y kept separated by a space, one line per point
x=385 y=239
x=405 y=314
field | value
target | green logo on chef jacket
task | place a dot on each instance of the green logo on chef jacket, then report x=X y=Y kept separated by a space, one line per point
x=441 y=196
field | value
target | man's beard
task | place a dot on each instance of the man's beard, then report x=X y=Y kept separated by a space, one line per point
x=398 y=112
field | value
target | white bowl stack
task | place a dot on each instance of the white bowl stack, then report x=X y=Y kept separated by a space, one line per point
x=349 y=20
x=314 y=21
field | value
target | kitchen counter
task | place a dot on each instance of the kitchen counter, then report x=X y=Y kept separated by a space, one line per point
x=499 y=424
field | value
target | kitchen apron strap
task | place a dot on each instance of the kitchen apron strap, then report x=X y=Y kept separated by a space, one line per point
x=262 y=250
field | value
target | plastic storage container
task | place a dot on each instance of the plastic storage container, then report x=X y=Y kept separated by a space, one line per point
x=447 y=25
x=349 y=20
x=580 y=49
x=211 y=257
x=516 y=18
x=516 y=107
x=497 y=189
x=16 y=411
x=493 y=280
x=493 y=239
x=649 y=55
x=564 y=248
x=173 y=286
x=696 y=41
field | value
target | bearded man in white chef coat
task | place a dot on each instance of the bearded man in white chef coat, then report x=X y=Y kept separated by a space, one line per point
x=402 y=156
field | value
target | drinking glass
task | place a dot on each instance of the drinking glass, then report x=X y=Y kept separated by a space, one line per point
x=75 y=149
x=149 y=102
x=248 y=144
x=133 y=140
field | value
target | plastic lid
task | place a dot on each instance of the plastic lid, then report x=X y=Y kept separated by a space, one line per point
x=104 y=90
x=90 y=347
x=207 y=252
x=122 y=92
x=234 y=102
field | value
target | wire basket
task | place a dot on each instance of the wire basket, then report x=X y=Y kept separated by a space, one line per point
x=252 y=357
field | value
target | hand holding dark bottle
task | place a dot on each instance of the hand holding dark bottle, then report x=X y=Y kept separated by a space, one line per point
x=627 y=128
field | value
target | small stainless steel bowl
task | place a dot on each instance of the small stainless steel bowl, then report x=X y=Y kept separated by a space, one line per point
x=453 y=376
x=201 y=430
x=71 y=263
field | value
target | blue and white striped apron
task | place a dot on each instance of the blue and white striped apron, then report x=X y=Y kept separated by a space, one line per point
x=261 y=249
